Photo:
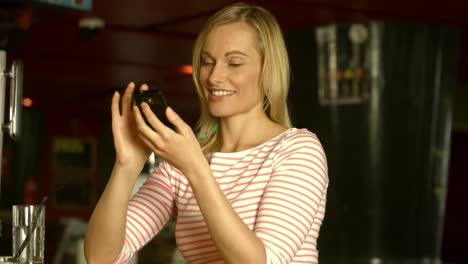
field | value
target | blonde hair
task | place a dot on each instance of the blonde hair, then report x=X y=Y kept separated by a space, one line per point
x=274 y=77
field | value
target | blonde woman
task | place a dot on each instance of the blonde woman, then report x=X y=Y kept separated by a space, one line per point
x=248 y=188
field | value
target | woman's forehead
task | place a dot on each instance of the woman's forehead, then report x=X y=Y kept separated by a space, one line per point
x=233 y=36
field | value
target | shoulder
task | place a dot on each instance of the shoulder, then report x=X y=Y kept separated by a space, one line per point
x=297 y=137
x=300 y=145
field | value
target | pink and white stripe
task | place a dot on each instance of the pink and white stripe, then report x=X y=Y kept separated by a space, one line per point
x=278 y=188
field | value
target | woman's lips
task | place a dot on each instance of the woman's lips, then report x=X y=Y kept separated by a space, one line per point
x=217 y=95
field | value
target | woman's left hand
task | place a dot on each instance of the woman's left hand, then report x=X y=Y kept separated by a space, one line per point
x=180 y=148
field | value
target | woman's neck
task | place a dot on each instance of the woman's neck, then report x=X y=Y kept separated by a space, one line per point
x=243 y=132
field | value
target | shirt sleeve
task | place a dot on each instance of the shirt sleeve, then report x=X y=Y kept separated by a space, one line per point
x=148 y=211
x=293 y=197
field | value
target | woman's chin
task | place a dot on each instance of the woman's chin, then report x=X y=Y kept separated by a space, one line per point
x=219 y=112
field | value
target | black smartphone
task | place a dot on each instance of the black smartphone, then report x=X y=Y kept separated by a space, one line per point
x=155 y=99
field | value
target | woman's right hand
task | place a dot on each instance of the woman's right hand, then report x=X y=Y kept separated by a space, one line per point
x=130 y=150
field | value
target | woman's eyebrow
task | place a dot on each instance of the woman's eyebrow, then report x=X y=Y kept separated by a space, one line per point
x=227 y=54
x=235 y=52
x=206 y=53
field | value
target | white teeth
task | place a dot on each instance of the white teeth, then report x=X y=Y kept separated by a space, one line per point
x=222 y=93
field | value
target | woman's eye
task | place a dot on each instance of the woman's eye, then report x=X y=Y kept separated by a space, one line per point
x=234 y=64
x=206 y=62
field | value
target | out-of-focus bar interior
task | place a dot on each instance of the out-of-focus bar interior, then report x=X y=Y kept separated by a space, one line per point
x=384 y=85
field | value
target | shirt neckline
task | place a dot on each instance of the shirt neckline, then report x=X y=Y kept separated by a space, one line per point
x=242 y=153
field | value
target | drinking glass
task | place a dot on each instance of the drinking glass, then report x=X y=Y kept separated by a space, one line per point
x=24 y=217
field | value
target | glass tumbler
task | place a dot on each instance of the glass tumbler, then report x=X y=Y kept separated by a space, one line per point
x=24 y=217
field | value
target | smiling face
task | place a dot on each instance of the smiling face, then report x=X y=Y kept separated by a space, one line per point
x=230 y=71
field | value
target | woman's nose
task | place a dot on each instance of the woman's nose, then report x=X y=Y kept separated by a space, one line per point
x=218 y=74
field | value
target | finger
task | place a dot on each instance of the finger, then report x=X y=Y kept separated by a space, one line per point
x=143 y=128
x=115 y=106
x=127 y=98
x=176 y=120
x=148 y=142
x=154 y=120
x=144 y=87
x=115 y=118
x=149 y=137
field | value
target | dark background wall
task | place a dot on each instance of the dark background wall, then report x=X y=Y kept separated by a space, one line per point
x=387 y=192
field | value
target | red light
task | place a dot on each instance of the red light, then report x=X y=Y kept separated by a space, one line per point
x=186 y=69
x=27 y=102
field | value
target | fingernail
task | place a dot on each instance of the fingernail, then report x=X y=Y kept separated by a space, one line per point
x=169 y=109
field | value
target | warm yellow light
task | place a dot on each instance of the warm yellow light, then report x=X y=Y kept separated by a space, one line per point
x=27 y=102
x=186 y=69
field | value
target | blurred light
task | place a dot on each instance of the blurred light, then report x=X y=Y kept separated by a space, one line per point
x=91 y=23
x=27 y=102
x=24 y=18
x=186 y=69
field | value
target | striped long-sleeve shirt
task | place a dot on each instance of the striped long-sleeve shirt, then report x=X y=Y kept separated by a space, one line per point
x=278 y=189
